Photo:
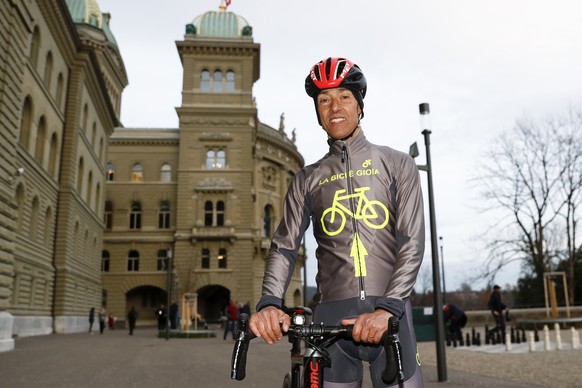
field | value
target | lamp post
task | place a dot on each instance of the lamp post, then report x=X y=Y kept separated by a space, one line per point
x=437 y=298
x=169 y=265
x=443 y=272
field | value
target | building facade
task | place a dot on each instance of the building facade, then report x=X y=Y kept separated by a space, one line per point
x=93 y=213
x=192 y=209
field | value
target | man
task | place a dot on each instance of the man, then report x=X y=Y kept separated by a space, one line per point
x=366 y=204
x=497 y=307
x=456 y=319
x=132 y=319
x=231 y=312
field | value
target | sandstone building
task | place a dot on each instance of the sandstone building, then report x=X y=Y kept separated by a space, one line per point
x=94 y=213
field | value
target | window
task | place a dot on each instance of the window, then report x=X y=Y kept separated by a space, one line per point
x=215 y=159
x=229 y=81
x=40 y=140
x=105 y=261
x=34 y=218
x=208 y=213
x=80 y=174
x=53 y=156
x=205 y=258
x=110 y=174
x=108 y=215
x=90 y=188
x=217 y=82
x=25 y=122
x=162 y=260
x=222 y=258
x=205 y=81
x=60 y=87
x=137 y=173
x=220 y=213
x=133 y=261
x=214 y=216
x=164 y=215
x=48 y=70
x=135 y=216
x=48 y=222
x=34 y=47
x=166 y=173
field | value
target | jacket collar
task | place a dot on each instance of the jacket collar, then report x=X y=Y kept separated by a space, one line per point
x=353 y=145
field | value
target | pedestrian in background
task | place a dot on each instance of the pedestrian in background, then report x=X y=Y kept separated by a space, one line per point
x=102 y=318
x=132 y=319
x=91 y=319
x=231 y=312
x=497 y=308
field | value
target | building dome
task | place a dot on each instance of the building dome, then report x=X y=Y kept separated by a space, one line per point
x=88 y=12
x=219 y=24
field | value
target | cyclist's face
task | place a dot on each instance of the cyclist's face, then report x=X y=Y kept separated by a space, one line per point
x=339 y=112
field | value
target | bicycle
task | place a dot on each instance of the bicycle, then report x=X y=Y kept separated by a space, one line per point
x=307 y=366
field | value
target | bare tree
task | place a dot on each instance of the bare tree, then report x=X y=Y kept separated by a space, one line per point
x=532 y=178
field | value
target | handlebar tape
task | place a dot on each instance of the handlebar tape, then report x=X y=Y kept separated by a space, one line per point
x=241 y=346
x=393 y=349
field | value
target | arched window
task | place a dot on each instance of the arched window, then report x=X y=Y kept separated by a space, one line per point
x=205 y=258
x=268 y=221
x=93 y=134
x=25 y=122
x=40 y=140
x=230 y=85
x=217 y=82
x=135 y=216
x=35 y=47
x=97 y=197
x=108 y=215
x=20 y=196
x=220 y=213
x=208 y=213
x=133 y=261
x=80 y=174
x=48 y=70
x=205 y=81
x=105 y=259
x=110 y=173
x=162 y=260
x=60 y=88
x=222 y=262
x=164 y=215
x=215 y=159
x=101 y=156
x=90 y=188
x=166 y=173
x=137 y=173
x=53 y=156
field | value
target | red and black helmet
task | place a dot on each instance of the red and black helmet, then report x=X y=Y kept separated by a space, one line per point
x=334 y=73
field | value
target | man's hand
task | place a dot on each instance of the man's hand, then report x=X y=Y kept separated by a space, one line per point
x=268 y=323
x=369 y=327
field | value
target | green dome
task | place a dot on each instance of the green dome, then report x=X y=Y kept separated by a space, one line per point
x=88 y=12
x=222 y=24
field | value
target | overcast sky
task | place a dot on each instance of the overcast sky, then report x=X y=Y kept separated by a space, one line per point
x=480 y=64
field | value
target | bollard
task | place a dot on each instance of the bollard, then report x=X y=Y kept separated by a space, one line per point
x=536 y=334
x=508 y=342
x=547 y=344
x=487 y=335
x=468 y=341
x=473 y=335
x=522 y=334
x=575 y=338
x=532 y=343
x=461 y=342
x=558 y=336
x=512 y=334
x=478 y=339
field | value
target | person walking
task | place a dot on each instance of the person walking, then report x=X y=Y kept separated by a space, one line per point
x=366 y=204
x=455 y=319
x=102 y=319
x=91 y=319
x=132 y=319
x=231 y=312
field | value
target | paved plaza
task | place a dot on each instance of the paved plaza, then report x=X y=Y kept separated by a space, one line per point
x=116 y=359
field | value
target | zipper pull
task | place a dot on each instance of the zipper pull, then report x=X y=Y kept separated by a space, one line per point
x=344 y=154
x=362 y=295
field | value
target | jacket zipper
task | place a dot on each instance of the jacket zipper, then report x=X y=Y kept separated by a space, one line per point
x=350 y=188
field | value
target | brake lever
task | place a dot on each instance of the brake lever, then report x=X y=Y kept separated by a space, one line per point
x=393 y=348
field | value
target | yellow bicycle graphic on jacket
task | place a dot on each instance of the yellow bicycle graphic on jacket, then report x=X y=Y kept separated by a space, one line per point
x=374 y=213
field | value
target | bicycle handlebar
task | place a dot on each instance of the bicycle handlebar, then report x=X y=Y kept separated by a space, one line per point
x=390 y=341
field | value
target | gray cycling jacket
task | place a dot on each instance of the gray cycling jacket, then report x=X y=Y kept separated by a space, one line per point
x=365 y=202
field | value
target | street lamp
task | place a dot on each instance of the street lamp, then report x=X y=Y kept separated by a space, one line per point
x=169 y=266
x=443 y=272
x=437 y=299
